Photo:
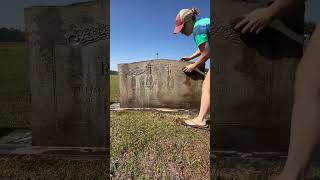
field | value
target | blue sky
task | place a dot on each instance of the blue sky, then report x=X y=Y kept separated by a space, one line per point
x=141 y=29
x=312 y=10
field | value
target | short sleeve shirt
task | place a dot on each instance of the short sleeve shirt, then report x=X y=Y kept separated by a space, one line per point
x=201 y=31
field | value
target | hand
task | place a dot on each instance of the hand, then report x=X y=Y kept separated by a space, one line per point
x=186 y=58
x=255 y=21
x=189 y=68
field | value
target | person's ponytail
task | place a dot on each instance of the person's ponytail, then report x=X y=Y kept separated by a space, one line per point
x=195 y=12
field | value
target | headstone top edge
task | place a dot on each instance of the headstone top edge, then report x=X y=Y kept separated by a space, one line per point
x=151 y=60
x=62 y=6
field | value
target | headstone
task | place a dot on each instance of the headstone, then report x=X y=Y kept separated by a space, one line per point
x=253 y=77
x=68 y=74
x=159 y=84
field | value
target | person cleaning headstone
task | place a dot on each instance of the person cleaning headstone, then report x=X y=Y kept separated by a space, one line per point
x=187 y=24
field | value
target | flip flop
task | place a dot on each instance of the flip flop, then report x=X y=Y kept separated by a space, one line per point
x=182 y=122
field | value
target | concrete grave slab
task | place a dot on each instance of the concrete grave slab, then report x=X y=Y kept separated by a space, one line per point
x=159 y=84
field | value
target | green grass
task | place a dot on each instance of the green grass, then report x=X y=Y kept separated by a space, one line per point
x=148 y=145
x=32 y=167
x=14 y=91
x=114 y=88
x=14 y=66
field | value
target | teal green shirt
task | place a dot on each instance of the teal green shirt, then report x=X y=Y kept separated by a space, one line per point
x=201 y=31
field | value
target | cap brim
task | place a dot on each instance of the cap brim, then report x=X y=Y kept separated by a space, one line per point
x=178 y=29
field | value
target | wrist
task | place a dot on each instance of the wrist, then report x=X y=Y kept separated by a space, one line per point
x=274 y=11
x=195 y=64
x=277 y=8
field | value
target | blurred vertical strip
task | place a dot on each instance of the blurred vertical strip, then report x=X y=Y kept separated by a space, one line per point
x=212 y=82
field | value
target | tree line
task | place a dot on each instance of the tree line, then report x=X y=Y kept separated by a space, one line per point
x=113 y=72
x=11 y=35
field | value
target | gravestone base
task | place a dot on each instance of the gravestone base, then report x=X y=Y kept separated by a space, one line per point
x=19 y=142
x=253 y=138
x=115 y=107
x=66 y=153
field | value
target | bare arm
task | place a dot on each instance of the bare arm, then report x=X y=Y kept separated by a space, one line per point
x=194 y=55
x=282 y=7
x=262 y=17
x=204 y=50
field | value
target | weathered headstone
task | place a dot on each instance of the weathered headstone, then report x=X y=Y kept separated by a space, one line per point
x=253 y=76
x=69 y=74
x=159 y=83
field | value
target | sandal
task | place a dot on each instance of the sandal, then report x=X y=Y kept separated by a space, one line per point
x=182 y=122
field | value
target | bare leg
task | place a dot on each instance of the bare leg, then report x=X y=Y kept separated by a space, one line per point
x=205 y=103
x=305 y=123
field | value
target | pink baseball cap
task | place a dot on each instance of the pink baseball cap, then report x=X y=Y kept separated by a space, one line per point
x=182 y=17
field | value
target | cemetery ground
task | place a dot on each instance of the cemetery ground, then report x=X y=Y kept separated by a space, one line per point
x=149 y=145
